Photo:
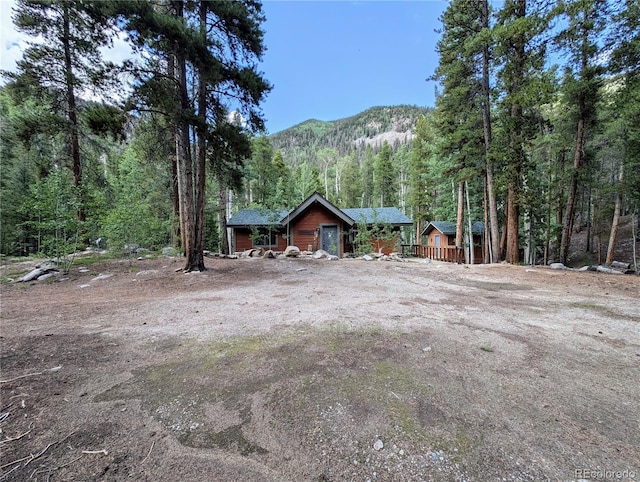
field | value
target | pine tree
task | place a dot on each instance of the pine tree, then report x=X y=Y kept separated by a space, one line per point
x=422 y=179
x=65 y=62
x=385 y=178
x=458 y=106
x=586 y=21
x=521 y=49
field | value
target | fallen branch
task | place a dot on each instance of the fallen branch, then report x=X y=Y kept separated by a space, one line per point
x=5 y=475
x=54 y=369
x=103 y=451
x=29 y=458
x=11 y=439
x=15 y=462
x=33 y=457
x=58 y=467
x=149 y=453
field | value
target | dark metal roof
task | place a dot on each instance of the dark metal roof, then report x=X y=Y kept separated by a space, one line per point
x=351 y=216
x=448 y=228
x=256 y=217
x=379 y=216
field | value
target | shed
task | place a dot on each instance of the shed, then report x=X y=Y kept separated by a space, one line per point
x=441 y=241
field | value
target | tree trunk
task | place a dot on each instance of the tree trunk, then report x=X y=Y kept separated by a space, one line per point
x=197 y=262
x=470 y=225
x=487 y=253
x=616 y=218
x=222 y=219
x=513 y=218
x=460 y=216
x=76 y=165
x=177 y=231
x=194 y=258
x=493 y=228
x=567 y=223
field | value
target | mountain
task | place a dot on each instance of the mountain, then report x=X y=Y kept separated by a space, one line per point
x=395 y=124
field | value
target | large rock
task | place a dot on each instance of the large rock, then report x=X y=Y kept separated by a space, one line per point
x=35 y=274
x=292 y=252
x=320 y=254
x=131 y=248
x=169 y=251
x=620 y=265
x=557 y=266
x=368 y=257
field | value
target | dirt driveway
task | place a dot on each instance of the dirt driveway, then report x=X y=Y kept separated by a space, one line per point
x=316 y=370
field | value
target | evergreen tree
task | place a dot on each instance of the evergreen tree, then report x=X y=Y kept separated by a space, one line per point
x=260 y=170
x=367 y=177
x=220 y=42
x=385 y=178
x=65 y=61
x=586 y=20
x=351 y=185
x=521 y=49
x=422 y=178
x=458 y=108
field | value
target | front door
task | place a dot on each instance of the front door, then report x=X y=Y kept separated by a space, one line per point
x=330 y=239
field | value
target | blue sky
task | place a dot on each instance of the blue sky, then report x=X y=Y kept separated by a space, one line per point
x=332 y=59
x=327 y=59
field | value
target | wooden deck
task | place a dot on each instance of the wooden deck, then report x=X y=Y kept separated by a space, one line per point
x=449 y=254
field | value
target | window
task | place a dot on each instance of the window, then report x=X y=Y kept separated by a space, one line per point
x=266 y=239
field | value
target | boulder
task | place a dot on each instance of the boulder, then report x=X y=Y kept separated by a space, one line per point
x=131 y=248
x=169 y=251
x=557 y=266
x=48 y=266
x=620 y=265
x=368 y=257
x=48 y=275
x=333 y=257
x=34 y=274
x=292 y=252
x=320 y=254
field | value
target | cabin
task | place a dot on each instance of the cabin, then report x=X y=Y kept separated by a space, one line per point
x=439 y=243
x=315 y=224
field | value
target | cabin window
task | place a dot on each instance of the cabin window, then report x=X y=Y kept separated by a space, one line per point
x=266 y=239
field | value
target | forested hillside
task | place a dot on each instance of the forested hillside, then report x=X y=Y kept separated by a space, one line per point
x=535 y=131
x=394 y=124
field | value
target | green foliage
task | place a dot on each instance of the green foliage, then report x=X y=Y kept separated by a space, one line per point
x=385 y=178
x=51 y=212
x=140 y=213
x=372 y=237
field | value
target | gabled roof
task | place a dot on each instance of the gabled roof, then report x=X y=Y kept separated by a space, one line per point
x=379 y=216
x=317 y=198
x=445 y=227
x=256 y=217
x=263 y=217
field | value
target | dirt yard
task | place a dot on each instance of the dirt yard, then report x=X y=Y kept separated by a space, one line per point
x=316 y=370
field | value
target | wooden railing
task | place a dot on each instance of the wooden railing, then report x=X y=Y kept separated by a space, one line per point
x=450 y=254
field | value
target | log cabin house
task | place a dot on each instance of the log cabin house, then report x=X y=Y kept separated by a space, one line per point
x=315 y=224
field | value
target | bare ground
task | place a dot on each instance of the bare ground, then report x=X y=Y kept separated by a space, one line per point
x=300 y=369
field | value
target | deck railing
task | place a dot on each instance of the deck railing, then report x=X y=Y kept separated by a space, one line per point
x=450 y=254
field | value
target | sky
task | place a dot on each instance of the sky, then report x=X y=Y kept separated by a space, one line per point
x=328 y=59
